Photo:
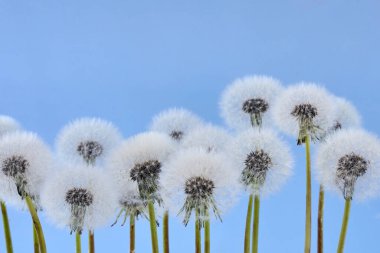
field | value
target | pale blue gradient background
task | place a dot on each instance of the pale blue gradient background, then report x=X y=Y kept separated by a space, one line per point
x=127 y=60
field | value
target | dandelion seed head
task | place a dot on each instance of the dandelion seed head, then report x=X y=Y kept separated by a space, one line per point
x=262 y=159
x=248 y=101
x=346 y=115
x=209 y=137
x=175 y=122
x=348 y=162
x=87 y=140
x=25 y=163
x=8 y=125
x=79 y=198
x=304 y=109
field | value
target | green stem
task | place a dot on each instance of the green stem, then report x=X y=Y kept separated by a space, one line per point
x=255 y=236
x=36 y=245
x=91 y=242
x=321 y=204
x=197 y=233
x=37 y=224
x=207 y=233
x=248 y=220
x=7 y=230
x=153 y=227
x=343 y=230
x=78 y=242
x=132 y=233
x=166 y=231
x=308 y=197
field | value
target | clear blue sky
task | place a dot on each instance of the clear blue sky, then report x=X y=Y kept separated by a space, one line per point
x=127 y=60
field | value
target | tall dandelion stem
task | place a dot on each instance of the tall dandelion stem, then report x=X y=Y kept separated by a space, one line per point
x=248 y=220
x=91 y=242
x=132 y=233
x=207 y=233
x=153 y=227
x=308 y=196
x=36 y=245
x=166 y=232
x=78 y=242
x=343 y=230
x=321 y=204
x=256 y=218
x=197 y=233
x=7 y=230
x=37 y=224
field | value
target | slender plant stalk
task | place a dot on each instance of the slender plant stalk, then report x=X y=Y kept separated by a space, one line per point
x=207 y=233
x=37 y=224
x=308 y=198
x=153 y=227
x=343 y=231
x=248 y=220
x=197 y=233
x=321 y=204
x=78 y=242
x=36 y=245
x=256 y=218
x=166 y=231
x=7 y=230
x=132 y=233
x=91 y=242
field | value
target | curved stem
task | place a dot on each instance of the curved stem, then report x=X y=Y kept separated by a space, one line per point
x=78 y=242
x=321 y=204
x=197 y=233
x=343 y=230
x=91 y=242
x=166 y=231
x=132 y=233
x=255 y=236
x=7 y=230
x=37 y=224
x=36 y=245
x=248 y=220
x=308 y=197
x=207 y=233
x=153 y=227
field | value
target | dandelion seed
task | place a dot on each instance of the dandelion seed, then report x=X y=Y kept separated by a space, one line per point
x=248 y=101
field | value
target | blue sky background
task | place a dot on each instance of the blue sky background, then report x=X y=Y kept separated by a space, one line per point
x=127 y=60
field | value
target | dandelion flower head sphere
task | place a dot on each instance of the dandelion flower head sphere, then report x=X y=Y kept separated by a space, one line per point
x=195 y=179
x=25 y=163
x=304 y=109
x=248 y=101
x=349 y=162
x=346 y=115
x=138 y=160
x=209 y=137
x=175 y=122
x=262 y=159
x=87 y=140
x=7 y=125
x=79 y=198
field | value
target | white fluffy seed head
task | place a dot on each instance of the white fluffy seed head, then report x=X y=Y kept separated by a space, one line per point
x=87 y=141
x=209 y=137
x=273 y=158
x=347 y=143
x=196 y=162
x=175 y=122
x=8 y=124
x=139 y=149
x=101 y=208
x=26 y=162
x=304 y=94
x=346 y=115
x=245 y=89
